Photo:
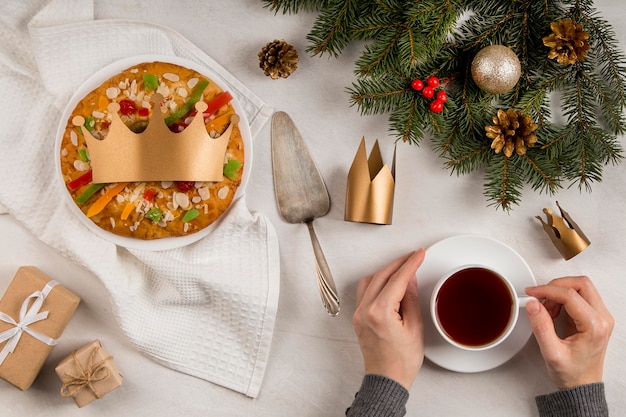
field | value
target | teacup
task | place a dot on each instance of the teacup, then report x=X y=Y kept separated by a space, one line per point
x=475 y=308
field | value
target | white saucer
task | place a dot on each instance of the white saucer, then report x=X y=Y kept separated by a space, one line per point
x=449 y=253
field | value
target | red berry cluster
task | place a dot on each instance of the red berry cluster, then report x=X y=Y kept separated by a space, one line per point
x=428 y=91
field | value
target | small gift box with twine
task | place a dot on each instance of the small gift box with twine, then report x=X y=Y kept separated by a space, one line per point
x=88 y=374
x=34 y=311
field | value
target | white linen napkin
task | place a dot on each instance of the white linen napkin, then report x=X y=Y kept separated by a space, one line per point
x=207 y=309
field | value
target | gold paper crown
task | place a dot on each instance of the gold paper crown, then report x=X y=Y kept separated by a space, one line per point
x=564 y=233
x=370 y=189
x=157 y=154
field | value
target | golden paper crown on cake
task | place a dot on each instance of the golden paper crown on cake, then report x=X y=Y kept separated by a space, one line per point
x=370 y=189
x=157 y=154
x=564 y=233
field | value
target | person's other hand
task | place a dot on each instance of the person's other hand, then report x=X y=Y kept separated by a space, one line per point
x=578 y=358
x=388 y=321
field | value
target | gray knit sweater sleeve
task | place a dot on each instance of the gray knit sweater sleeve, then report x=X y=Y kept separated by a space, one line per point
x=379 y=396
x=583 y=401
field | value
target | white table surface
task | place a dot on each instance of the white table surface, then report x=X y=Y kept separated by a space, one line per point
x=315 y=364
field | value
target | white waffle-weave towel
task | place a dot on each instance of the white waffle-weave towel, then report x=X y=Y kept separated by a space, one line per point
x=207 y=309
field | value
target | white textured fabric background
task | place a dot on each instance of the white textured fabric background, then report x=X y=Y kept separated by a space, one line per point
x=207 y=309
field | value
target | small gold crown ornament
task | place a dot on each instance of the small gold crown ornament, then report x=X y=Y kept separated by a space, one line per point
x=157 y=154
x=370 y=189
x=564 y=233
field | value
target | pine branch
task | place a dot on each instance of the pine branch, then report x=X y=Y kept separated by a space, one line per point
x=555 y=145
x=542 y=174
x=436 y=21
x=503 y=186
x=465 y=146
x=534 y=102
x=383 y=54
x=382 y=94
x=401 y=39
x=605 y=146
x=495 y=26
x=295 y=6
x=469 y=162
x=611 y=62
x=408 y=123
x=507 y=176
x=588 y=170
x=332 y=30
x=613 y=116
x=381 y=16
x=404 y=40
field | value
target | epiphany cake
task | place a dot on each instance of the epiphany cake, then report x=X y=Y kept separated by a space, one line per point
x=153 y=152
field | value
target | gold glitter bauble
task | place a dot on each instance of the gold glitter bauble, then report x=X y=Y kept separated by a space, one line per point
x=496 y=69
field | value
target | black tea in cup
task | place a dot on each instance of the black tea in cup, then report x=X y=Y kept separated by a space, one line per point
x=474 y=306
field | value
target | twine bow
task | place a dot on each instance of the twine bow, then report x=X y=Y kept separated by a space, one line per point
x=85 y=378
x=28 y=316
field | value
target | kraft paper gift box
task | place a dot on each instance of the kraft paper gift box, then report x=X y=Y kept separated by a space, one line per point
x=34 y=311
x=88 y=374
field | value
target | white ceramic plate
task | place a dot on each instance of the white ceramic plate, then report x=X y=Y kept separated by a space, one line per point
x=93 y=82
x=455 y=251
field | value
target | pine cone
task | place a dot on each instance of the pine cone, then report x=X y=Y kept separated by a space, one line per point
x=512 y=131
x=278 y=59
x=567 y=42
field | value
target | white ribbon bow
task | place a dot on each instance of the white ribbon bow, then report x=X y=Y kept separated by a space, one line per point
x=28 y=316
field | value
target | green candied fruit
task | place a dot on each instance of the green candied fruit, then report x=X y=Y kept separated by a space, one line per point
x=150 y=82
x=195 y=97
x=90 y=123
x=231 y=168
x=90 y=191
x=84 y=155
x=190 y=215
x=154 y=214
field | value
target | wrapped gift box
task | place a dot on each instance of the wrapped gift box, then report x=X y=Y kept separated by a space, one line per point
x=42 y=307
x=88 y=374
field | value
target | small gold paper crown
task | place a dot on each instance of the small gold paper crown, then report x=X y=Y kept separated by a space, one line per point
x=157 y=154
x=370 y=189
x=564 y=233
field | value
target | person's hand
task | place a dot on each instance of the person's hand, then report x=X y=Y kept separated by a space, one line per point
x=578 y=358
x=388 y=321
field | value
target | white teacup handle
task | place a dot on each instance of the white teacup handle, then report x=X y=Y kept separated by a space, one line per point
x=523 y=300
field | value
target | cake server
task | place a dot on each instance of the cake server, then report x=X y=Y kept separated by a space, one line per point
x=301 y=195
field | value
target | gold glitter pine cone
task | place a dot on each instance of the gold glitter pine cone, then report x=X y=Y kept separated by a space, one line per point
x=278 y=59
x=511 y=131
x=568 y=42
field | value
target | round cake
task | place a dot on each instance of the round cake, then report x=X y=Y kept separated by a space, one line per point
x=161 y=208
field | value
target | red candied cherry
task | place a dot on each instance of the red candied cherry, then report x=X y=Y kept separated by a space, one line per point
x=433 y=82
x=442 y=96
x=417 y=85
x=143 y=112
x=428 y=92
x=436 y=106
x=127 y=107
x=149 y=194
x=185 y=186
